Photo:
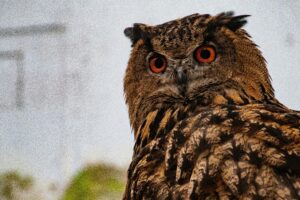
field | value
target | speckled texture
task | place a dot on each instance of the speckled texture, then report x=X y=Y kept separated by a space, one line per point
x=221 y=134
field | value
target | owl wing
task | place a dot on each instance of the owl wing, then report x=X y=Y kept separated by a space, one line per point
x=221 y=152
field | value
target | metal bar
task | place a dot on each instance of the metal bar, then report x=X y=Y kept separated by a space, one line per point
x=32 y=30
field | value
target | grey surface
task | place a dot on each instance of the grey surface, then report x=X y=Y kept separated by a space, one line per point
x=74 y=110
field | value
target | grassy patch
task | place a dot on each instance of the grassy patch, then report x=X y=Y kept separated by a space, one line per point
x=12 y=183
x=94 y=182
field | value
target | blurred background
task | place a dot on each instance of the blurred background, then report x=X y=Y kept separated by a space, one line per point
x=64 y=128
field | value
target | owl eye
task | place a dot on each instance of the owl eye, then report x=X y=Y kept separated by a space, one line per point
x=205 y=54
x=157 y=64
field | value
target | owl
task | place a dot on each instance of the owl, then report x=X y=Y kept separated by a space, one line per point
x=205 y=119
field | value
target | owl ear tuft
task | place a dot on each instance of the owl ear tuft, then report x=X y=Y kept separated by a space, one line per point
x=237 y=22
x=135 y=33
x=226 y=19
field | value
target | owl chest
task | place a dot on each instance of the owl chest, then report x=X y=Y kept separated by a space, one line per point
x=175 y=144
x=176 y=126
x=221 y=147
x=174 y=140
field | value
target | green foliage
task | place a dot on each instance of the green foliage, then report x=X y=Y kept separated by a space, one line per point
x=96 y=182
x=12 y=183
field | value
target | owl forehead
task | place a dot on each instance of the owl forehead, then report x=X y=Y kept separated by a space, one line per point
x=178 y=37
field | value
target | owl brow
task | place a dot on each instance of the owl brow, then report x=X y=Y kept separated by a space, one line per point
x=147 y=42
x=225 y=19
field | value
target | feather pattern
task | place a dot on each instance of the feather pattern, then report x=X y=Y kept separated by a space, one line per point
x=207 y=130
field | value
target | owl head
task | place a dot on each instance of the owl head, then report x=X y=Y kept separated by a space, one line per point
x=199 y=58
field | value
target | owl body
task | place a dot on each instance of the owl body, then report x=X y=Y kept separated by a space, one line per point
x=204 y=115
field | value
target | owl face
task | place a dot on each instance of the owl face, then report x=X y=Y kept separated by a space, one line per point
x=175 y=62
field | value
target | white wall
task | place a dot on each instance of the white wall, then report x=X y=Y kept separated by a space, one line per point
x=73 y=108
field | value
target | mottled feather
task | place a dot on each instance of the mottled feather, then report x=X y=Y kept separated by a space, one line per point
x=220 y=133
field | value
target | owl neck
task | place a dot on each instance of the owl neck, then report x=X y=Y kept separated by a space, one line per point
x=232 y=92
x=210 y=95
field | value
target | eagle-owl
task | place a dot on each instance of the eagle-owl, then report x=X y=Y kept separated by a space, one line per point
x=205 y=119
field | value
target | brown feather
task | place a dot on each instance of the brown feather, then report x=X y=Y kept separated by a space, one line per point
x=221 y=135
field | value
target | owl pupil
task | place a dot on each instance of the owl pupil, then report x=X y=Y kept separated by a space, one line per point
x=205 y=54
x=159 y=62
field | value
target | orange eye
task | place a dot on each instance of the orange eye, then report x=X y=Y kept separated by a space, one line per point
x=157 y=64
x=205 y=54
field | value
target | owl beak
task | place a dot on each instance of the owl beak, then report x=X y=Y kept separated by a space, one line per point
x=181 y=76
x=181 y=80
